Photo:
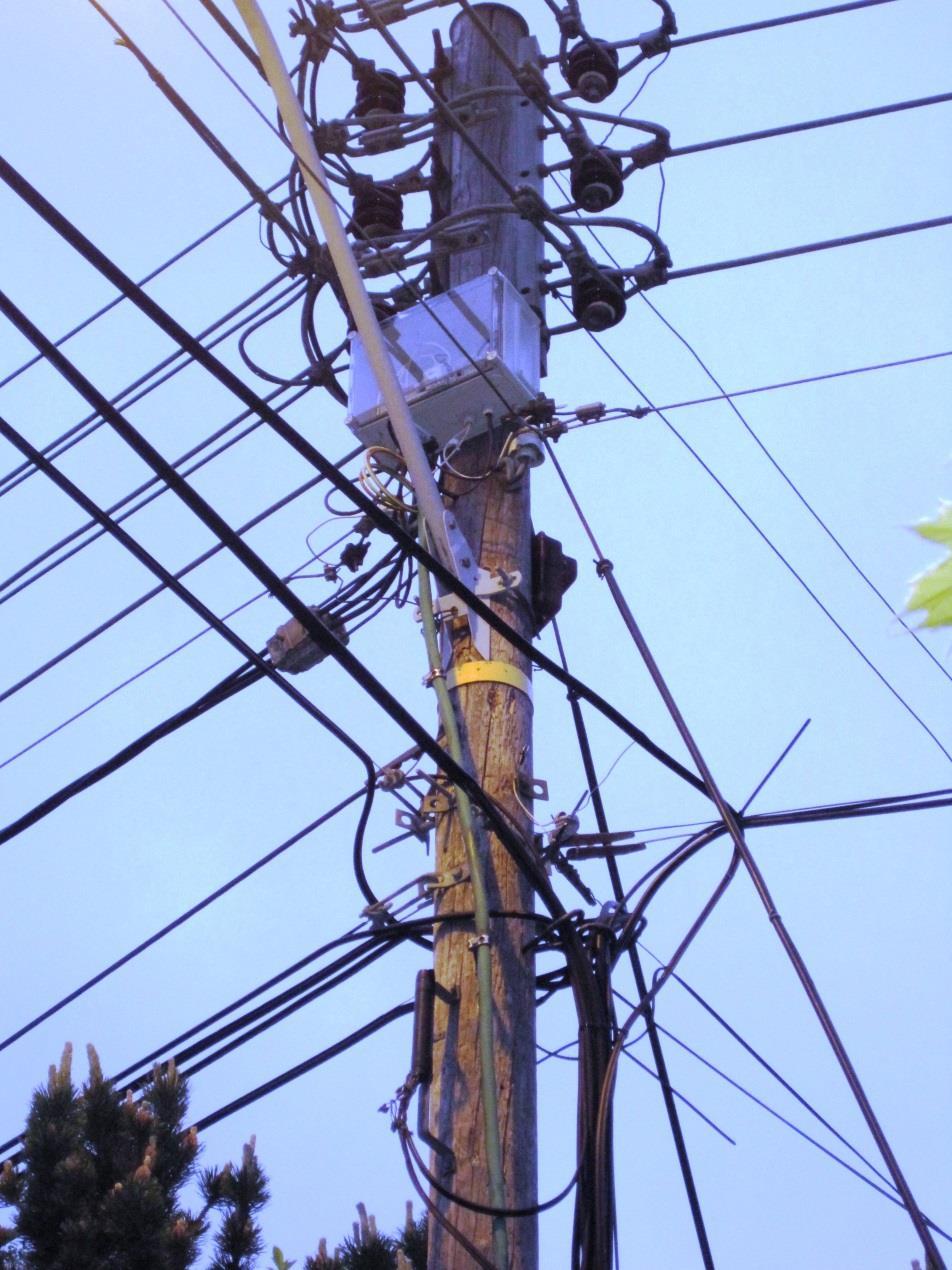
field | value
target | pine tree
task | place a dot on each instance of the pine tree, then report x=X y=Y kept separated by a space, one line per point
x=100 y=1181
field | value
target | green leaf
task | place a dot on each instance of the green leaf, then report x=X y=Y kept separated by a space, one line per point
x=280 y=1261
x=932 y=590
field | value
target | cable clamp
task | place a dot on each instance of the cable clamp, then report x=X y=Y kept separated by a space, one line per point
x=432 y=675
x=431 y=882
x=477 y=941
x=500 y=672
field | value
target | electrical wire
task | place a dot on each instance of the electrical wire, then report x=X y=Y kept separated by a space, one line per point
x=743 y=854
x=145 y=383
x=43 y=564
x=641 y=412
x=667 y=1090
x=192 y=911
x=149 y=277
x=767 y=24
x=784 y=253
x=234 y=683
x=797 y=492
x=785 y=130
x=138 y=603
x=772 y=546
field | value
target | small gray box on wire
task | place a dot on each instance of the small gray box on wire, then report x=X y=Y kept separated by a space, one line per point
x=464 y=358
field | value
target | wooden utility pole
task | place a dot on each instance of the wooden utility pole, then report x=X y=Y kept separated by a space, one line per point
x=495 y=717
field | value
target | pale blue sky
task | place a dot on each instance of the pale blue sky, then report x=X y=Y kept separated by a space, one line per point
x=747 y=653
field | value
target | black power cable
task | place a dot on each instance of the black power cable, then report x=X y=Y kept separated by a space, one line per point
x=145 y=383
x=618 y=890
x=742 y=853
x=149 y=277
x=306 y=450
x=229 y=687
x=181 y=919
x=89 y=532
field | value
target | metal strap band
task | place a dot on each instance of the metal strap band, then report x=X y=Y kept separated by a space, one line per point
x=499 y=672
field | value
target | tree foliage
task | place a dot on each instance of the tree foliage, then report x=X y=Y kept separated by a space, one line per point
x=99 y=1185
x=932 y=590
x=100 y=1180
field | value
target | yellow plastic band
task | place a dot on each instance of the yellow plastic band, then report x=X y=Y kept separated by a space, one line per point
x=481 y=672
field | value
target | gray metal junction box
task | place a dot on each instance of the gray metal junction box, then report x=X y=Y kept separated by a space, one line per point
x=464 y=359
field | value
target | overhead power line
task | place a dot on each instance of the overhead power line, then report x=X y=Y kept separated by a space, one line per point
x=766 y=24
x=785 y=130
x=194 y=909
x=783 y=253
x=149 y=277
x=639 y=412
x=799 y=495
x=302 y=1069
x=774 y=548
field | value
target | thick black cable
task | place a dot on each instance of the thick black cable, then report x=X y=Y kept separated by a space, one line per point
x=103 y=697
x=784 y=253
x=829 y=121
x=160 y=589
x=263 y=1017
x=744 y=854
x=144 y=557
x=240 y=679
x=149 y=277
x=766 y=24
x=657 y=1052
x=180 y=920
x=311 y=454
x=301 y=1069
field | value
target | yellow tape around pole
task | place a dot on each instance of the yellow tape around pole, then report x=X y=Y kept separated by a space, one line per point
x=479 y=672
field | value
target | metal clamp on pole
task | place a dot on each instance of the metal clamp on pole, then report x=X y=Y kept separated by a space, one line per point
x=481 y=672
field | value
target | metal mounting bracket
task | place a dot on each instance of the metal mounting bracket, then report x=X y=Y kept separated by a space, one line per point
x=481 y=581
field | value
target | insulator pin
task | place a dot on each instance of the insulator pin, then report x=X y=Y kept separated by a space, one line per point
x=598 y=301
x=591 y=69
x=379 y=92
x=378 y=211
x=596 y=180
